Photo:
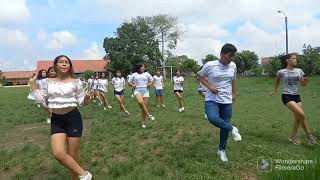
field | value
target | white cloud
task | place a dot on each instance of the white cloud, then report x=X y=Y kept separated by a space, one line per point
x=14 y=11
x=58 y=40
x=14 y=38
x=10 y=65
x=93 y=52
x=42 y=35
x=200 y=40
x=207 y=22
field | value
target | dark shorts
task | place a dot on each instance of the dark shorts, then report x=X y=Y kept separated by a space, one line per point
x=159 y=92
x=287 y=98
x=119 y=93
x=179 y=91
x=69 y=123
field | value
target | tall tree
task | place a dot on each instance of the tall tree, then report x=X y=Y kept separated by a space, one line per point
x=246 y=60
x=167 y=31
x=209 y=57
x=134 y=43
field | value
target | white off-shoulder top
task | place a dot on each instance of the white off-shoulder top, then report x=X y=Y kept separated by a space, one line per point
x=56 y=94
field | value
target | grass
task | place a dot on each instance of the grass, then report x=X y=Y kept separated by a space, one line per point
x=174 y=146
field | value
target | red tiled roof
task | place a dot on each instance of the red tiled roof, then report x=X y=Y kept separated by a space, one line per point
x=17 y=74
x=265 y=60
x=79 y=66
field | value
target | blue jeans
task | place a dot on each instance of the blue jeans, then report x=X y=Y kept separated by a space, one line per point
x=219 y=115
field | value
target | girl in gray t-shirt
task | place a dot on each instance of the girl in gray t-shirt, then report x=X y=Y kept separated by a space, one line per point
x=292 y=78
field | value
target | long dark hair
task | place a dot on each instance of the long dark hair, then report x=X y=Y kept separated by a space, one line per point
x=39 y=76
x=48 y=71
x=284 y=59
x=70 y=72
x=138 y=66
x=118 y=71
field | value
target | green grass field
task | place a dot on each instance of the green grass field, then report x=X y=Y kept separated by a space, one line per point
x=174 y=146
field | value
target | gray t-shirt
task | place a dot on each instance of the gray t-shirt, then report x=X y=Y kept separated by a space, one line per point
x=291 y=79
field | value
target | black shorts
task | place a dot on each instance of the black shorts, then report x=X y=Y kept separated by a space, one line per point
x=179 y=91
x=287 y=98
x=119 y=93
x=69 y=123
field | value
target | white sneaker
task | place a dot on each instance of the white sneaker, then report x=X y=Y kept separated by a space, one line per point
x=158 y=106
x=151 y=117
x=182 y=108
x=94 y=101
x=109 y=106
x=235 y=134
x=223 y=156
x=205 y=116
x=127 y=112
x=48 y=120
x=132 y=96
x=104 y=108
x=38 y=105
x=143 y=125
x=99 y=104
x=86 y=177
x=163 y=106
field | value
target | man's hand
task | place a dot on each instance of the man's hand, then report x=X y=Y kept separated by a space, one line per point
x=234 y=97
x=213 y=89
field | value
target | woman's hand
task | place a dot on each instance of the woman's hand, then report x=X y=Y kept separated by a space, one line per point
x=33 y=83
x=304 y=81
x=273 y=93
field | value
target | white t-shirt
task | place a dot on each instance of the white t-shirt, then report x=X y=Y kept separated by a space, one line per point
x=158 y=82
x=95 y=84
x=103 y=84
x=221 y=77
x=56 y=94
x=118 y=83
x=41 y=83
x=90 y=82
x=128 y=77
x=141 y=80
x=177 y=83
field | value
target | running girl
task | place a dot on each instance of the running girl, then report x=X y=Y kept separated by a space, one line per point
x=292 y=78
x=103 y=91
x=119 y=83
x=158 y=88
x=140 y=81
x=62 y=94
x=178 y=81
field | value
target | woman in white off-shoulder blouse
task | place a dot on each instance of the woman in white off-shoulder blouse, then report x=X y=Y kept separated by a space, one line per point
x=62 y=95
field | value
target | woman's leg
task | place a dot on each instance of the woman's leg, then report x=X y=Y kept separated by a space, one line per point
x=143 y=107
x=103 y=97
x=300 y=115
x=73 y=149
x=146 y=101
x=119 y=99
x=179 y=98
x=58 y=150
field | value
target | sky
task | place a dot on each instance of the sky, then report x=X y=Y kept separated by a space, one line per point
x=31 y=30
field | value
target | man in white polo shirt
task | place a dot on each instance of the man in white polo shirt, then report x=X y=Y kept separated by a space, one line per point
x=220 y=82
